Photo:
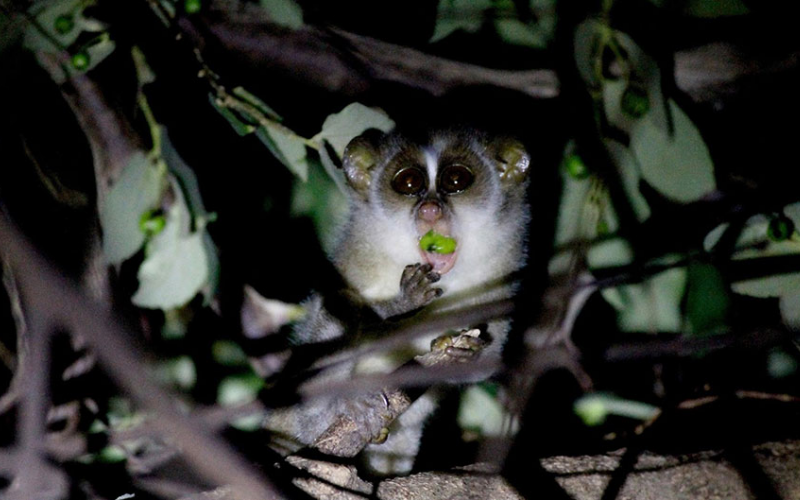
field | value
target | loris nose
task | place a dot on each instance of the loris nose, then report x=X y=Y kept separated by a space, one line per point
x=430 y=211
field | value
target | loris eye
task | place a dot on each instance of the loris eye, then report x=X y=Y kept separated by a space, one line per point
x=455 y=178
x=409 y=181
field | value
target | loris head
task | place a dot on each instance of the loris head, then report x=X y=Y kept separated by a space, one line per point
x=461 y=188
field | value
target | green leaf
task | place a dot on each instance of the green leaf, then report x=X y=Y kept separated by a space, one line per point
x=715 y=8
x=516 y=32
x=240 y=126
x=713 y=237
x=179 y=371
x=454 y=15
x=584 y=208
x=645 y=77
x=191 y=189
x=209 y=290
x=185 y=175
x=112 y=454
x=192 y=6
x=613 y=91
x=249 y=423
x=653 y=306
x=334 y=172
x=676 y=164
x=289 y=148
x=587 y=46
x=707 y=300
x=138 y=190
x=584 y=202
x=319 y=199
x=284 y=12
x=753 y=242
x=99 y=51
x=121 y=415
x=340 y=128
x=239 y=389
x=789 y=305
x=175 y=324
x=258 y=103
x=176 y=264
x=630 y=175
x=780 y=364
x=595 y=408
x=609 y=253
x=228 y=353
x=536 y=34
x=50 y=18
x=481 y=412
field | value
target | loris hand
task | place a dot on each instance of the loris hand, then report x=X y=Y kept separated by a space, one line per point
x=416 y=291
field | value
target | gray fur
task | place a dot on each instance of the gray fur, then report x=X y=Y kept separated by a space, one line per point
x=380 y=239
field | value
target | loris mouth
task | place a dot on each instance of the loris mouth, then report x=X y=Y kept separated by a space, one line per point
x=441 y=262
x=438 y=250
x=436 y=245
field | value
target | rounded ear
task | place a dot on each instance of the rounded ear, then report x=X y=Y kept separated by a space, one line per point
x=360 y=156
x=511 y=159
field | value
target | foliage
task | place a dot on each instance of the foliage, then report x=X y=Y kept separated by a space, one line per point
x=648 y=211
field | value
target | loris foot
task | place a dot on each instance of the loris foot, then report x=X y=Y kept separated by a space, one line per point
x=457 y=348
x=362 y=420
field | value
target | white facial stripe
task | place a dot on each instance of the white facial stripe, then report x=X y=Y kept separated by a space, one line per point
x=432 y=164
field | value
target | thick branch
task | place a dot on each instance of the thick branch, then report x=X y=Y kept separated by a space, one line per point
x=349 y=64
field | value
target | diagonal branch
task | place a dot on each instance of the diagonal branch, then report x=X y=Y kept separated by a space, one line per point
x=59 y=299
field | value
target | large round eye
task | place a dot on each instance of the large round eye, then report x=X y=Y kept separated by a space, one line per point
x=409 y=181
x=455 y=178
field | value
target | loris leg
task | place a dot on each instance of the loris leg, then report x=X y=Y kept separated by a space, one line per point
x=397 y=454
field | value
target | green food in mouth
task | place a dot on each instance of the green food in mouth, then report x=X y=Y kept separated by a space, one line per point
x=437 y=243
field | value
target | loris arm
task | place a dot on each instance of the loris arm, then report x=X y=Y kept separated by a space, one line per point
x=329 y=316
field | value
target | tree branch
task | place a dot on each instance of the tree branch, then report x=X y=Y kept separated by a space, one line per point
x=349 y=64
x=58 y=299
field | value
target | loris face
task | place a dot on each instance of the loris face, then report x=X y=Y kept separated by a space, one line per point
x=457 y=187
x=437 y=185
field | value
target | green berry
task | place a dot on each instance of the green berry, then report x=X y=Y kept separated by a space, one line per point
x=151 y=223
x=780 y=228
x=437 y=243
x=575 y=167
x=591 y=410
x=80 y=60
x=64 y=23
x=192 y=6
x=635 y=102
